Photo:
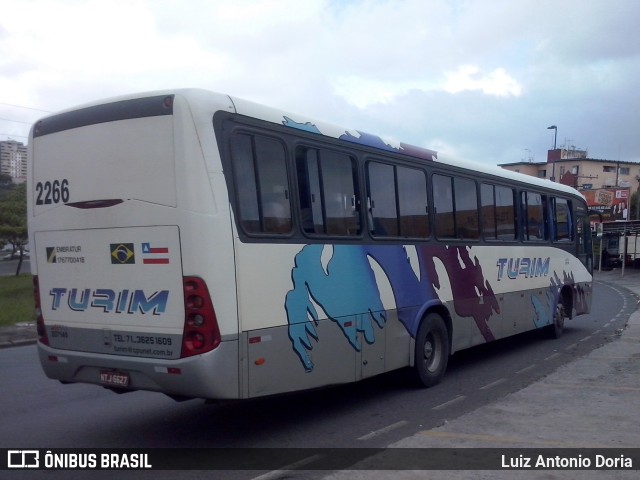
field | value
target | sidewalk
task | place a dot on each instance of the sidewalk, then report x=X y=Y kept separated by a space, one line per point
x=593 y=402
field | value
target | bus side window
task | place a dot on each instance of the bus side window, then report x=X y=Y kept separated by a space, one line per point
x=329 y=197
x=412 y=202
x=455 y=201
x=262 y=191
x=466 y=209
x=443 y=206
x=534 y=217
x=506 y=213
x=498 y=212
x=562 y=221
x=383 y=206
x=398 y=205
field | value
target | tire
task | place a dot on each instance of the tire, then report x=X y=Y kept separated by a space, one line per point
x=556 y=329
x=432 y=350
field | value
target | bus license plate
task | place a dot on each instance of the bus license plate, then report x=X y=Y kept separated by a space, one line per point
x=114 y=379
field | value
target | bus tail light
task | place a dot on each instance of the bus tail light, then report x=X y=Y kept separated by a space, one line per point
x=201 y=332
x=42 y=331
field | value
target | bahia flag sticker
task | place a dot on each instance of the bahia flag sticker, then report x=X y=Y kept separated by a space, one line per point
x=156 y=255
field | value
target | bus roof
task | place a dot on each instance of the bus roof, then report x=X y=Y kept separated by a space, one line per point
x=206 y=103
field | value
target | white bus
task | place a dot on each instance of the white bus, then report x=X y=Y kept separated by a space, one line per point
x=203 y=246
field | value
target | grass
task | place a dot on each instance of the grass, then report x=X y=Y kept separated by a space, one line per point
x=16 y=300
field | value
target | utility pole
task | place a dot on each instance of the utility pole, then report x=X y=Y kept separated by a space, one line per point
x=555 y=138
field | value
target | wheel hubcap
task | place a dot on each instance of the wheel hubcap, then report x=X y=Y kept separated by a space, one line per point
x=431 y=346
x=428 y=350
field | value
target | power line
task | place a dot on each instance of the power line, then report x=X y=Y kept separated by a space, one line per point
x=15 y=121
x=14 y=135
x=28 y=108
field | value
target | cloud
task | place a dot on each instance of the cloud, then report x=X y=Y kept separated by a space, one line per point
x=497 y=82
x=483 y=78
x=363 y=92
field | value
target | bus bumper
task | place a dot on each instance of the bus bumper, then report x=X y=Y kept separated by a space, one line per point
x=212 y=375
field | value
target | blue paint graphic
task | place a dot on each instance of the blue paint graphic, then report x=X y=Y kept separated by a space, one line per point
x=348 y=285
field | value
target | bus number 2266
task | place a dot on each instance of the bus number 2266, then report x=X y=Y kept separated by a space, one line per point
x=48 y=193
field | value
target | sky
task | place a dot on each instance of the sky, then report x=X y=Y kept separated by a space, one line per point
x=475 y=79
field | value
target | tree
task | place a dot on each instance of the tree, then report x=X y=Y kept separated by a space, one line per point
x=633 y=207
x=6 y=182
x=13 y=220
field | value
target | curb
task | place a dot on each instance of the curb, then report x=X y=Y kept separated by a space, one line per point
x=18 y=343
x=18 y=335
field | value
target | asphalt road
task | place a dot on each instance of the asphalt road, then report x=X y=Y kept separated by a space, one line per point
x=8 y=267
x=41 y=413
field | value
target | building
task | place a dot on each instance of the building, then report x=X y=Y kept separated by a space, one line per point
x=606 y=184
x=573 y=167
x=13 y=160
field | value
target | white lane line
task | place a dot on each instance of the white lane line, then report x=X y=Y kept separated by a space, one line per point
x=552 y=356
x=459 y=398
x=384 y=430
x=526 y=369
x=284 y=471
x=493 y=384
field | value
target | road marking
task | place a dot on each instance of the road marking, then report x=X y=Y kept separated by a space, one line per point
x=530 y=367
x=552 y=356
x=493 y=384
x=284 y=471
x=607 y=357
x=459 y=398
x=585 y=338
x=595 y=387
x=384 y=430
x=573 y=345
x=502 y=440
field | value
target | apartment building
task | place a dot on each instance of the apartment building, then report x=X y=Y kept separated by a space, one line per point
x=13 y=160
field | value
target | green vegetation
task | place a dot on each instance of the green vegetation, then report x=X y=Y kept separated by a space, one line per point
x=13 y=215
x=16 y=300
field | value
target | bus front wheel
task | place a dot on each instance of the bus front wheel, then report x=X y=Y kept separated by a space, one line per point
x=556 y=328
x=432 y=350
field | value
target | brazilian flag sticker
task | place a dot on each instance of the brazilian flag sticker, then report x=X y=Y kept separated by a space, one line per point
x=122 y=254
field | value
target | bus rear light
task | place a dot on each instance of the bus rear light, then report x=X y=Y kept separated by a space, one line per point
x=40 y=328
x=57 y=359
x=201 y=332
x=194 y=341
x=168 y=370
x=197 y=320
x=195 y=302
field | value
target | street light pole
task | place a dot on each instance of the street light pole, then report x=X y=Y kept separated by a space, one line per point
x=555 y=137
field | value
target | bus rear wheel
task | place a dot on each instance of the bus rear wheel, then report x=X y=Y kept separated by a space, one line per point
x=432 y=350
